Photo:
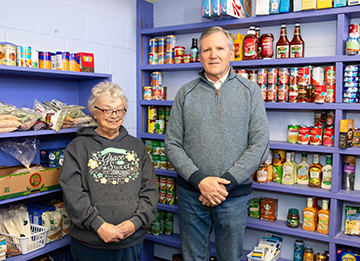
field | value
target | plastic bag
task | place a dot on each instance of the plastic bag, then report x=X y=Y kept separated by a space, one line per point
x=23 y=149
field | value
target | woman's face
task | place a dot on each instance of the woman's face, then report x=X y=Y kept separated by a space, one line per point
x=115 y=119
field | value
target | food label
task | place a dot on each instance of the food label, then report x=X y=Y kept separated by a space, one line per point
x=237 y=48
x=315 y=176
x=282 y=51
x=296 y=51
x=249 y=47
x=303 y=173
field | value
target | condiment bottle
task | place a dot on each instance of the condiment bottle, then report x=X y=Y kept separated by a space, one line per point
x=293 y=218
x=194 y=51
x=257 y=34
x=238 y=47
x=283 y=44
x=315 y=172
x=267 y=41
x=296 y=165
x=323 y=218
x=297 y=44
x=327 y=173
x=251 y=46
x=288 y=171
x=303 y=171
x=309 y=214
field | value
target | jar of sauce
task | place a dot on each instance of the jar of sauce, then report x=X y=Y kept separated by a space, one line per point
x=251 y=46
x=293 y=218
x=267 y=41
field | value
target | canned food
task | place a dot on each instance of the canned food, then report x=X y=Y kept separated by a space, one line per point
x=262 y=174
x=151 y=126
x=170 y=42
x=170 y=184
x=263 y=89
x=186 y=58
x=293 y=93
x=320 y=257
x=161 y=45
x=161 y=58
x=293 y=133
x=23 y=56
x=304 y=75
x=304 y=134
x=294 y=73
x=330 y=75
x=356 y=137
x=330 y=93
x=253 y=76
x=179 y=50
x=157 y=92
x=163 y=93
x=351 y=95
x=277 y=173
x=330 y=119
x=351 y=73
x=352 y=45
x=9 y=53
x=351 y=68
x=354 y=30
x=153 y=58
x=315 y=135
x=351 y=84
x=279 y=157
x=62 y=61
x=351 y=89
x=303 y=94
x=243 y=73
x=156 y=79
x=272 y=93
x=179 y=59
x=169 y=57
x=299 y=250
x=308 y=254
x=320 y=93
x=160 y=126
x=317 y=76
x=169 y=229
x=171 y=198
x=74 y=66
x=283 y=93
x=350 y=100
x=328 y=139
x=155 y=228
x=147 y=92
x=153 y=45
x=262 y=76
x=156 y=147
x=284 y=76
x=351 y=79
x=273 y=76
x=152 y=113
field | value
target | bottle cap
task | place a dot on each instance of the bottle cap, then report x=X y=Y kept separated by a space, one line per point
x=251 y=32
x=293 y=211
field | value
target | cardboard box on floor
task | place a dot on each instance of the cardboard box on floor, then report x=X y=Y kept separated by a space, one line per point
x=20 y=184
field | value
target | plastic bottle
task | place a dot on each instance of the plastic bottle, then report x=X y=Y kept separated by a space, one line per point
x=315 y=172
x=297 y=44
x=309 y=214
x=288 y=171
x=257 y=34
x=283 y=44
x=296 y=165
x=327 y=173
x=267 y=49
x=323 y=218
x=194 y=51
x=251 y=46
x=238 y=46
x=303 y=171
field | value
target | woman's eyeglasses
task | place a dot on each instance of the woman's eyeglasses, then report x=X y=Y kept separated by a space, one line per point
x=108 y=113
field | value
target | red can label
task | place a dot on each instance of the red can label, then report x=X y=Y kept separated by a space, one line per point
x=283 y=93
x=354 y=30
x=304 y=135
x=262 y=76
x=315 y=136
x=284 y=76
x=330 y=75
x=328 y=137
x=273 y=76
x=317 y=76
x=304 y=76
x=330 y=93
x=272 y=93
x=293 y=93
x=320 y=93
x=294 y=73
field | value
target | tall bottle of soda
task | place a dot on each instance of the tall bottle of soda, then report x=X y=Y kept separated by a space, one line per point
x=194 y=51
x=283 y=45
x=297 y=44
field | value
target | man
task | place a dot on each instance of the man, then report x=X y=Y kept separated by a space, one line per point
x=216 y=138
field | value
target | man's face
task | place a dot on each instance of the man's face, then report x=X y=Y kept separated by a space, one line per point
x=215 y=55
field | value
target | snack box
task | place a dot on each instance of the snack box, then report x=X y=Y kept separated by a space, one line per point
x=346 y=133
x=347 y=253
x=52 y=158
x=352 y=220
x=235 y=8
x=86 y=62
x=28 y=181
x=206 y=8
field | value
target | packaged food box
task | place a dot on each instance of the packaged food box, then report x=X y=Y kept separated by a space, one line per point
x=353 y=2
x=321 y=4
x=346 y=133
x=28 y=181
x=339 y=3
x=352 y=220
x=254 y=210
x=206 y=11
x=348 y=253
x=86 y=62
x=269 y=209
x=308 y=4
x=235 y=8
x=52 y=158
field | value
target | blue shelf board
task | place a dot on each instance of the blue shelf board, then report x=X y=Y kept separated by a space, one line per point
x=156 y=103
x=284 y=145
x=32 y=195
x=164 y=172
x=35 y=133
x=350 y=151
x=351 y=196
x=152 y=136
x=171 y=208
x=268 y=20
x=46 y=249
x=348 y=240
x=304 y=106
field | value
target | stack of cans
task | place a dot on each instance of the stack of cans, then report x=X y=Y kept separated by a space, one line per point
x=167 y=190
x=351 y=84
x=170 y=45
x=156 y=151
x=163 y=224
x=158 y=117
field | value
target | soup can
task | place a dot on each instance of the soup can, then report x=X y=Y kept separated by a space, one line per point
x=279 y=157
x=157 y=92
x=263 y=89
x=283 y=93
x=304 y=75
x=320 y=93
x=9 y=53
x=304 y=135
x=272 y=93
x=253 y=75
x=293 y=93
x=273 y=76
x=317 y=76
x=330 y=119
x=23 y=56
x=284 y=76
x=328 y=139
x=294 y=73
x=303 y=94
x=293 y=133
x=330 y=74
x=354 y=30
x=243 y=73
x=315 y=135
x=330 y=93
x=147 y=92
x=153 y=45
x=262 y=77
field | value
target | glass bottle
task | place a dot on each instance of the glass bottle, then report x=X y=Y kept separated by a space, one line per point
x=303 y=171
x=315 y=172
x=297 y=44
x=288 y=171
x=194 y=51
x=327 y=173
x=283 y=44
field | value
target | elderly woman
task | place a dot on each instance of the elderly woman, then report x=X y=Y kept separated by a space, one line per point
x=109 y=184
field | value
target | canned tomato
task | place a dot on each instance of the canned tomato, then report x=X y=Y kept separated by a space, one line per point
x=273 y=76
x=161 y=45
x=317 y=76
x=328 y=139
x=279 y=157
x=354 y=30
x=272 y=93
x=262 y=77
x=186 y=58
x=170 y=42
x=9 y=53
x=320 y=93
x=330 y=93
x=330 y=75
x=153 y=45
x=179 y=50
x=243 y=73
x=293 y=133
x=284 y=76
x=263 y=89
x=147 y=92
x=293 y=93
x=283 y=93
x=157 y=92
x=153 y=58
x=156 y=79
x=304 y=134
x=304 y=75
x=179 y=59
x=315 y=135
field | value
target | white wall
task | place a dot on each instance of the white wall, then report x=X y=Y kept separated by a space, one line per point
x=106 y=28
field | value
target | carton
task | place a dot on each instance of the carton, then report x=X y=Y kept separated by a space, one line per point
x=321 y=4
x=215 y=7
x=340 y=3
x=353 y=2
x=206 y=8
x=262 y=7
x=269 y=209
x=52 y=158
x=86 y=62
x=235 y=8
x=15 y=185
x=346 y=133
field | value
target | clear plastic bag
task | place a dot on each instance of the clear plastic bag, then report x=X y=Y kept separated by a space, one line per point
x=23 y=149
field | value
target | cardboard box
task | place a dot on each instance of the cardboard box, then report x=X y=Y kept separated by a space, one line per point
x=206 y=8
x=269 y=209
x=353 y=2
x=15 y=185
x=346 y=133
x=308 y=4
x=86 y=62
x=235 y=8
x=52 y=158
x=321 y=4
x=215 y=8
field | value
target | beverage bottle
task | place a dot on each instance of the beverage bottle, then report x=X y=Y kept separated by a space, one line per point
x=323 y=218
x=251 y=46
x=296 y=165
x=315 y=172
x=309 y=214
x=327 y=173
x=257 y=34
x=288 y=171
x=297 y=44
x=283 y=44
x=194 y=51
x=303 y=171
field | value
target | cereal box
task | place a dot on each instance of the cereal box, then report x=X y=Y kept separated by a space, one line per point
x=86 y=62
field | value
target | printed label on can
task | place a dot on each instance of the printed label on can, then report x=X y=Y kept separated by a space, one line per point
x=315 y=136
x=320 y=93
x=293 y=133
x=328 y=139
x=304 y=135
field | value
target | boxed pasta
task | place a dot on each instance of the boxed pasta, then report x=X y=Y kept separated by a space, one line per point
x=352 y=220
x=18 y=181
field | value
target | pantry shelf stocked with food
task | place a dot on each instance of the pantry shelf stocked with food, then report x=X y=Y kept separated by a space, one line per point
x=22 y=90
x=334 y=71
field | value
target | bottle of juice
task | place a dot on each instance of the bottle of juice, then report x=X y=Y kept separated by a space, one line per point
x=296 y=166
x=309 y=214
x=303 y=171
x=327 y=173
x=323 y=218
x=288 y=171
x=297 y=44
x=315 y=172
x=283 y=44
